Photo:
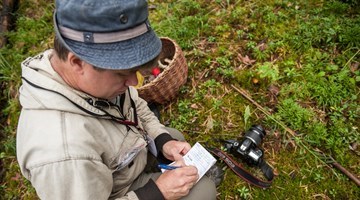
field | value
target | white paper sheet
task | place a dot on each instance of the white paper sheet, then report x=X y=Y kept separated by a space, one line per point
x=199 y=157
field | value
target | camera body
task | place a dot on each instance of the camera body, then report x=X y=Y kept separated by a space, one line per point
x=248 y=148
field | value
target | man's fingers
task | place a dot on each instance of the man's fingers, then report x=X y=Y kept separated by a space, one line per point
x=177 y=156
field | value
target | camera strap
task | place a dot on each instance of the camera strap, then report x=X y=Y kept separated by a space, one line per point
x=242 y=173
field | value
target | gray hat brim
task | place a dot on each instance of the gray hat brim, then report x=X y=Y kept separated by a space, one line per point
x=121 y=55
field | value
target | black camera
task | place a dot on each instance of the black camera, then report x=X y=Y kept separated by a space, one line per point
x=248 y=147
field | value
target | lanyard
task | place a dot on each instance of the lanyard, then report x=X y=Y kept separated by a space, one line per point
x=120 y=120
x=106 y=115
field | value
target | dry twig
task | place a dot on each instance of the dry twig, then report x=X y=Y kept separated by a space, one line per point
x=330 y=160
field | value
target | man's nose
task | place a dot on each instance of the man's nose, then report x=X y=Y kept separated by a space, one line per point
x=131 y=80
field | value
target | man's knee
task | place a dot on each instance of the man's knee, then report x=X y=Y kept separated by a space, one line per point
x=204 y=189
x=175 y=134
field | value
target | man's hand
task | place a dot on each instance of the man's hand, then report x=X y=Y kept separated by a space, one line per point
x=177 y=183
x=174 y=150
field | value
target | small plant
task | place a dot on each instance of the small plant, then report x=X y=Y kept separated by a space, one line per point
x=294 y=115
x=333 y=192
x=251 y=45
x=223 y=61
x=318 y=177
x=226 y=72
x=244 y=192
x=269 y=71
x=216 y=103
x=185 y=115
x=211 y=85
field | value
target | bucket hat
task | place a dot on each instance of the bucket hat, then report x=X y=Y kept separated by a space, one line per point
x=109 y=34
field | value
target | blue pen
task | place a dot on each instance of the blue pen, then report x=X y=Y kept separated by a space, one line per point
x=167 y=167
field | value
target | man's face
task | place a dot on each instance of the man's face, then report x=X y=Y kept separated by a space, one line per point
x=106 y=84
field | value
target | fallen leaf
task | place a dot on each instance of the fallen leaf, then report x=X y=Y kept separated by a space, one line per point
x=276 y=172
x=230 y=125
x=262 y=46
x=354 y=67
x=17 y=177
x=209 y=123
x=246 y=60
x=274 y=90
x=194 y=106
x=276 y=134
x=353 y=146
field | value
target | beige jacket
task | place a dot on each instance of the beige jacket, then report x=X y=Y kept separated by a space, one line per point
x=68 y=148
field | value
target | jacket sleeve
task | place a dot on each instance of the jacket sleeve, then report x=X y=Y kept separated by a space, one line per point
x=149 y=191
x=74 y=179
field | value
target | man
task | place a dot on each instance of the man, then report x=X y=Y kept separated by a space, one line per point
x=83 y=132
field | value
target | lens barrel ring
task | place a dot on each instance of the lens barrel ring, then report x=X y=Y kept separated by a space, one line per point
x=256 y=133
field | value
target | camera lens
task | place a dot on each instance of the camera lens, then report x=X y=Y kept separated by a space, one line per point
x=256 y=133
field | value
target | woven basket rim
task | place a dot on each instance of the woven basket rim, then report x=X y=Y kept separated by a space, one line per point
x=164 y=72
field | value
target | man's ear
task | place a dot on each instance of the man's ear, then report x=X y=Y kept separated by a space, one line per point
x=77 y=65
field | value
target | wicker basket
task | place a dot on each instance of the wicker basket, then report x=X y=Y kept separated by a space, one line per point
x=166 y=86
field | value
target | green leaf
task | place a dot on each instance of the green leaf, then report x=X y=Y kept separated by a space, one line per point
x=357 y=78
x=321 y=73
x=246 y=115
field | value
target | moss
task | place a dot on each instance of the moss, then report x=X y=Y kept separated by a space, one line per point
x=298 y=60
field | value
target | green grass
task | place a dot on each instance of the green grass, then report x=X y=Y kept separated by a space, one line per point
x=300 y=60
